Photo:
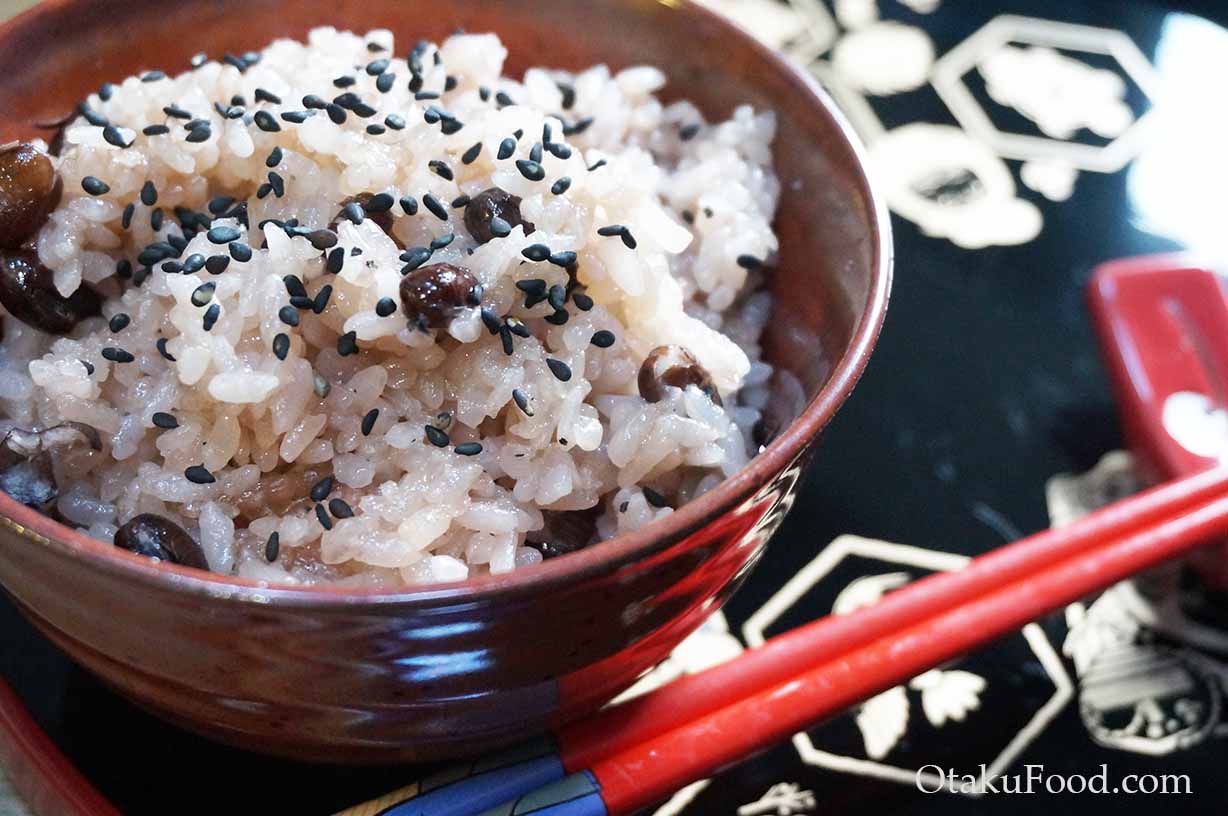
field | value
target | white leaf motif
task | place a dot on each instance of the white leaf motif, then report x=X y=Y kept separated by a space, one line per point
x=948 y=695
x=882 y=720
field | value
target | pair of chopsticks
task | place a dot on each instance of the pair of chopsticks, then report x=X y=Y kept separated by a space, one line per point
x=638 y=753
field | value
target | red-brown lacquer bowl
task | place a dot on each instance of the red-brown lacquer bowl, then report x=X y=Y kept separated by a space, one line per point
x=340 y=675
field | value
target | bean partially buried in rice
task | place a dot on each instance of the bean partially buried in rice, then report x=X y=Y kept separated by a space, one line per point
x=158 y=537
x=30 y=188
x=432 y=295
x=256 y=348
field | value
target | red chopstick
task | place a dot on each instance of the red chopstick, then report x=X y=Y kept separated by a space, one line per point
x=641 y=774
x=586 y=743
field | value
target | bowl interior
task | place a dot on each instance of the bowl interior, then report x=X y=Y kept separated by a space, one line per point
x=830 y=283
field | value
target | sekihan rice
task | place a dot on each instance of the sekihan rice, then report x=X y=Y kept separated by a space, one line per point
x=695 y=199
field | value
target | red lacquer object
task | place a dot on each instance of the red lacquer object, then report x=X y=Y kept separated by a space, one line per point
x=1163 y=326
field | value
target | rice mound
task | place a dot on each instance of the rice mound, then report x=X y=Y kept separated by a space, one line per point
x=696 y=199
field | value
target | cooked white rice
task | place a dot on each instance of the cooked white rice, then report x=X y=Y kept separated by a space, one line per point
x=695 y=202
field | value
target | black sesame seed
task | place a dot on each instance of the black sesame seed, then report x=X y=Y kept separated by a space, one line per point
x=499 y=227
x=165 y=421
x=531 y=170
x=152 y=254
x=277 y=183
x=301 y=302
x=654 y=498
x=536 y=252
x=126 y=218
x=468 y=449
x=378 y=203
x=198 y=474
x=442 y=241
x=203 y=293
x=296 y=117
x=688 y=216
x=602 y=339
x=490 y=320
x=436 y=437
x=288 y=315
x=558 y=318
x=385 y=82
x=199 y=134
x=266 y=96
x=117 y=355
x=561 y=186
x=449 y=82
x=281 y=345
x=385 y=307
x=522 y=402
x=610 y=231
x=414 y=257
x=559 y=150
x=749 y=262
x=153 y=76
x=141 y=275
x=506 y=148
x=557 y=296
x=375 y=129
x=628 y=239
x=265 y=121
x=92 y=116
x=222 y=235
x=688 y=132
x=322 y=517
x=441 y=169
x=240 y=252
x=532 y=286
x=219 y=205
x=450 y=126
x=471 y=155
x=368 y=421
x=560 y=369
x=394 y=121
x=89 y=367
x=161 y=346
x=322 y=239
x=347 y=343
x=535 y=153
x=211 y=316
x=335 y=261
x=377 y=67
x=483 y=93
x=314 y=102
x=375 y=47
x=363 y=110
x=156 y=218
x=105 y=91
x=577 y=127
x=321 y=489
x=95 y=186
x=353 y=212
x=274 y=158
x=118 y=323
x=155 y=130
x=336 y=113
x=172 y=267
x=123 y=268
x=597 y=165
x=503 y=99
x=409 y=205
x=176 y=112
x=435 y=206
x=112 y=136
x=194 y=263
x=517 y=327
x=460 y=201
x=563 y=259
x=344 y=82
x=272 y=547
x=294 y=286
x=340 y=509
x=320 y=303
x=505 y=337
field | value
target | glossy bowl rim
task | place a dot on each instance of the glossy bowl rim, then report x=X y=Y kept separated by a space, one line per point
x=605 y=556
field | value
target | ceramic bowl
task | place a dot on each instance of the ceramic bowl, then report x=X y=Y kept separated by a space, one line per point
x=338 y=675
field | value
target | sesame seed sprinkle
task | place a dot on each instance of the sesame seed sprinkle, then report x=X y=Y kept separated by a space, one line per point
x=490 y=320
x=505 y=337
x=561 y=186
x=335 y=261
x=460 y=201
x=563 y=259
x=468 y=449
x=441 y=169
x=347 y=344
x=222 y=235
x=95 y=186
x=296 y=117
x=415 y=257
x=272 y=547
x=199 y=474
x=385 y=82
x=602 y=339
x=288 y=315
x=320 y=303
x=117 y=355
x=155 y=130
x=530 y=169
x=321 y=489
x=240 y=252
x=535 y=153
x=654 y=498
x=267 y=96
x=536 y=252
x=266 y=122
x=394 y=121
x=340 y=509
x=211 y=316
x=368 y=421
x=281 y=345
x=506 y=148
x=435 y=206
x=322 y=517
x=437 y=437
x=522 y=402
x=749 y=262
x=274 y=158
x=118 y=323
x=88 y=366
x=560 y=370
x=203 y=293
x=471 y=155
x=166 y=421
x=126 y=218
x=385 y=307
x=161 y=346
